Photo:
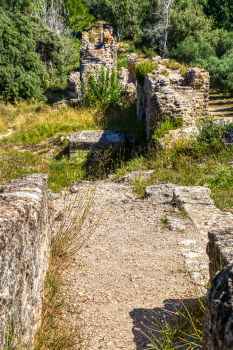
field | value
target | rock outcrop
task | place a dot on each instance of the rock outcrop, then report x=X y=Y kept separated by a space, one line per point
x=26 y=217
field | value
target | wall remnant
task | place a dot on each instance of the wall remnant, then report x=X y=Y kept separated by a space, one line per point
x=26 y=217
x=218 y=321
x=171 y=96
x=93 y=56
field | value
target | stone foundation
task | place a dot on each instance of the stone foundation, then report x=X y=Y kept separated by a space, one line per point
x=26 y=217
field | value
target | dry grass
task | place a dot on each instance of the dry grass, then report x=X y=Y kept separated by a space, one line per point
x=74 y=231
x=172 y=64
x=58 y=331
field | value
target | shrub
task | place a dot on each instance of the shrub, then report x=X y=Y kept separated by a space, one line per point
x=21 y=70
x=103 y=88
x=144 y=68
x=190 y=50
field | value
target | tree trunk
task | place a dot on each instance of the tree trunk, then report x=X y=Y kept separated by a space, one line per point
x=118 y=33
x=166 y=30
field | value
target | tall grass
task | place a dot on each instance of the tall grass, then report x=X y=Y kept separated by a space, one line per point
x=73 y=231
x=180 y=328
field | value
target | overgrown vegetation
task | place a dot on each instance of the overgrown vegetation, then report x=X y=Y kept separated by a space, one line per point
x=179 y=328
x=164 y=126
x=143 y=68
x=103 y=88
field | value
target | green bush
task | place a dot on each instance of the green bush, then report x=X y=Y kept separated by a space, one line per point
x=102 y=88
x=143 y=68
x=21 y=70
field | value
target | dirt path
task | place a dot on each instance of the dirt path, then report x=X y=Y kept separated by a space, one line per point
x=132 y=265
x=9 y=132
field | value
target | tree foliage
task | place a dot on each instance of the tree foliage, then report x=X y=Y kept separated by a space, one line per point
x=21 y=70
x=221 y=11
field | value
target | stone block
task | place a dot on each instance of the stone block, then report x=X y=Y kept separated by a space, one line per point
x=26 y=218
x=218 y=320
x=94 y=141
x=160 y=193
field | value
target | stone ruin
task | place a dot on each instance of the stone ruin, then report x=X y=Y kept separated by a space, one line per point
x=103 y=51
x=93 y=55
x=26 y=218
x=171 y=96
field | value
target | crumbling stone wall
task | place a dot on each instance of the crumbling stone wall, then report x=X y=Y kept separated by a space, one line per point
x=93 y=56
x=26 y=215
x=174 y=96
x=218 y=226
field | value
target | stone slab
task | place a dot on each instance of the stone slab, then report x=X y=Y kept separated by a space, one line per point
x=94 y=141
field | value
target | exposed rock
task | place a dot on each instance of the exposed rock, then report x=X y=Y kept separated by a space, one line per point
x=74 y=82
x=192 y=195
x=160 y=193
x=173 y=96
x=94 y=141
x=26 y=217
x=143 y=175
x=176 y=224
x=228 y=138
x=218 y=322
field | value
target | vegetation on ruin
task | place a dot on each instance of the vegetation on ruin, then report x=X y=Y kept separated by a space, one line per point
x=143 y=68
x=103 y=88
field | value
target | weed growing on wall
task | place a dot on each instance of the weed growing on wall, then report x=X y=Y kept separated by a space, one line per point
x=143 y=68
x=164 y=126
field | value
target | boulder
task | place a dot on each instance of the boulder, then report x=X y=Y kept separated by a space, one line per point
x=218 y=321
x=74 y=82
x=94 y=141
x=160 y=193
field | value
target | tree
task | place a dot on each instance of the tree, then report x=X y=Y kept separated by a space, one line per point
x=221 y=11
x=187 y=18
x=21 y=70
x=123 y=15
x=78 y=15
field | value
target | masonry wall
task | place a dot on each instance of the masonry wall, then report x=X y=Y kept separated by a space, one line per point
x=93 y=56
x=26 y=217
x=175 y=96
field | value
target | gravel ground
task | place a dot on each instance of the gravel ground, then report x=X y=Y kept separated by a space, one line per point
x=132 y=266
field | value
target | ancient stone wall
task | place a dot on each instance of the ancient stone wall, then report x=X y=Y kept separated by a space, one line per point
x=93 y=55
x=211 y=222
x=174 y=95
x=26 y=214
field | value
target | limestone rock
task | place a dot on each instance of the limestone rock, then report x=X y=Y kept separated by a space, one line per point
x=192 y=195
x=136 y=175
x=74 y=82
x=176 y=224
x=160 y=193
x=218 y=322
x=26 y=217
x=94 y=141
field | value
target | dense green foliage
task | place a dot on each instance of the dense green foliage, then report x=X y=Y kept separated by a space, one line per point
x=221 y=11
x=21 y=71
x=143 y=68
x=102 y=88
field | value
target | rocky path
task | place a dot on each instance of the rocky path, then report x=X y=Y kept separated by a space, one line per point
x=132 y=265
